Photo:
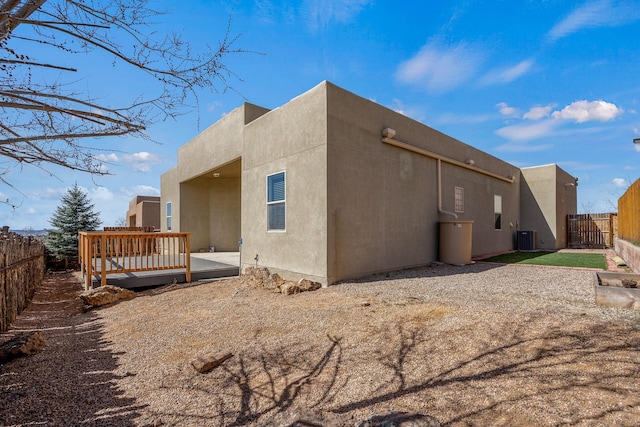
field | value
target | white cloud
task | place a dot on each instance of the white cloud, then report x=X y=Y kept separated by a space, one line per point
x=537 y=113
x=522 y=148
x=526 y=131
x=31 y=211
x=507 y=75
x=142 y=161
x=100 y=195
x=440 y=68
x=585 y=111
x=111 y=158
x=593 y=14
x=139 y=190
x=213 y=106
x=506 y=110
x=620 y=182
x=450 y=118
x=637 y=147
x=320 y=13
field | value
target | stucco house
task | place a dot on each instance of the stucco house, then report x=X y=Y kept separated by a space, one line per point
x=331 y=186
x=144 y=211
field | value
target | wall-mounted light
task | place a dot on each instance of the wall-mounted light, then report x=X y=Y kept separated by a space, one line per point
x=570 y=184
x=216 y=175
x=470 y=162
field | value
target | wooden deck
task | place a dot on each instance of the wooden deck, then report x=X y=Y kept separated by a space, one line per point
x=203 y=266
x=133 y=258
x=105 y=253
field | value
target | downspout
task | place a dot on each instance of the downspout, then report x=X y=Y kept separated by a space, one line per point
x=440 y=210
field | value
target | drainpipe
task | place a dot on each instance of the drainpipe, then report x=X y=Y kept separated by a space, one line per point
x=440 y=210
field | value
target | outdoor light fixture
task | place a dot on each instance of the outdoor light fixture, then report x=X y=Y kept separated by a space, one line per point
x=636 y=140
x=470 y=162
x=216 y=175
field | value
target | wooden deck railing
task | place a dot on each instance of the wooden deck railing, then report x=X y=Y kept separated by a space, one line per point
x=109 y=252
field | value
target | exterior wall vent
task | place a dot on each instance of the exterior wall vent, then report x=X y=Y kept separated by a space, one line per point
x=527 y=240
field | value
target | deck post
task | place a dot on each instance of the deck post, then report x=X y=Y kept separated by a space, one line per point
x=187 y=250
x=103 y=260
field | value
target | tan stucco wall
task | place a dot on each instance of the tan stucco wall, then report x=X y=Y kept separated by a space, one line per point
x=383 y=200
x=546 y=201
x=224 y=214
x=194 y=213
x=144 y=211
x=291 y=138
x=170 y=192
x=219 y=144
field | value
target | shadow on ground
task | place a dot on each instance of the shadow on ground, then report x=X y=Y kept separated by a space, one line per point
x=567 y=375
x=72 y=381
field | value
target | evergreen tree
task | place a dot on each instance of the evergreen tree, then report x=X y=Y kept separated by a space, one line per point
x=75 y=214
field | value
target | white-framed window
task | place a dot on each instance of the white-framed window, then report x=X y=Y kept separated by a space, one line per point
x=497 y=211
x=168 y=216
x=459 y=200
x=276 y=201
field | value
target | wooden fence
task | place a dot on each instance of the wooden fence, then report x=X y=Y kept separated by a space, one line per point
x=109 y=252
x=591 y=231
x=629 y=212
x=22 y=267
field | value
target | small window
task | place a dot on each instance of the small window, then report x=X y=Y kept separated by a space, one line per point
x=168 y=216
x=459 y=202
x=497 y=211
x=276 y=201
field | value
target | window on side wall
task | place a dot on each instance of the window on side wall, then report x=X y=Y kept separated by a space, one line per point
x=276 y=201
x=497 y=211
x=459 y=200
x=168 y=216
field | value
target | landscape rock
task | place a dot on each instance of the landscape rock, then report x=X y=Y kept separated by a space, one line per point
x=400 y=419
x=107 y=294
x=629 y=283
x=21 y=345
x=307 y=285
x=207 y=362
x=290 y=288
x=259 y=277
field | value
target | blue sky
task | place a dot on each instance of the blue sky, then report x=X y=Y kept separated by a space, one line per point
x=530 y=82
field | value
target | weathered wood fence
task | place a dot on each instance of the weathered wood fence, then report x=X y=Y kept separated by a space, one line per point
x=629 y=211
x=591 y=231
x=22 y=268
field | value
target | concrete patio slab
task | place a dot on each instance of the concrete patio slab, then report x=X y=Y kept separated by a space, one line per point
x=203 y=266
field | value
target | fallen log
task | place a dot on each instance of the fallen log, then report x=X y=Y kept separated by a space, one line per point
x=21 y=345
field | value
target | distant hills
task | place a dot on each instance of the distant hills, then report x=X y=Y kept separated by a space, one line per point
x=37 y=233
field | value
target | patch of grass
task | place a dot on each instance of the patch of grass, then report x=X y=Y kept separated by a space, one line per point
x=557 y=259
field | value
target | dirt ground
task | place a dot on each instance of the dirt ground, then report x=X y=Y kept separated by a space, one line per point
x=476 y=346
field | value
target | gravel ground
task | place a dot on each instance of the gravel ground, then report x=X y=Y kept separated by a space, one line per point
x=479 y=345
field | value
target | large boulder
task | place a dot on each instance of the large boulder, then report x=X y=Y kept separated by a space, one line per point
x=106 y=295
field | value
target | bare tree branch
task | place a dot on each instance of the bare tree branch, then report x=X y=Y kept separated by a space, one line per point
x=43 y=115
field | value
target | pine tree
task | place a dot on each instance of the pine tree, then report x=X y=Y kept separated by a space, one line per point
x=76 y=213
